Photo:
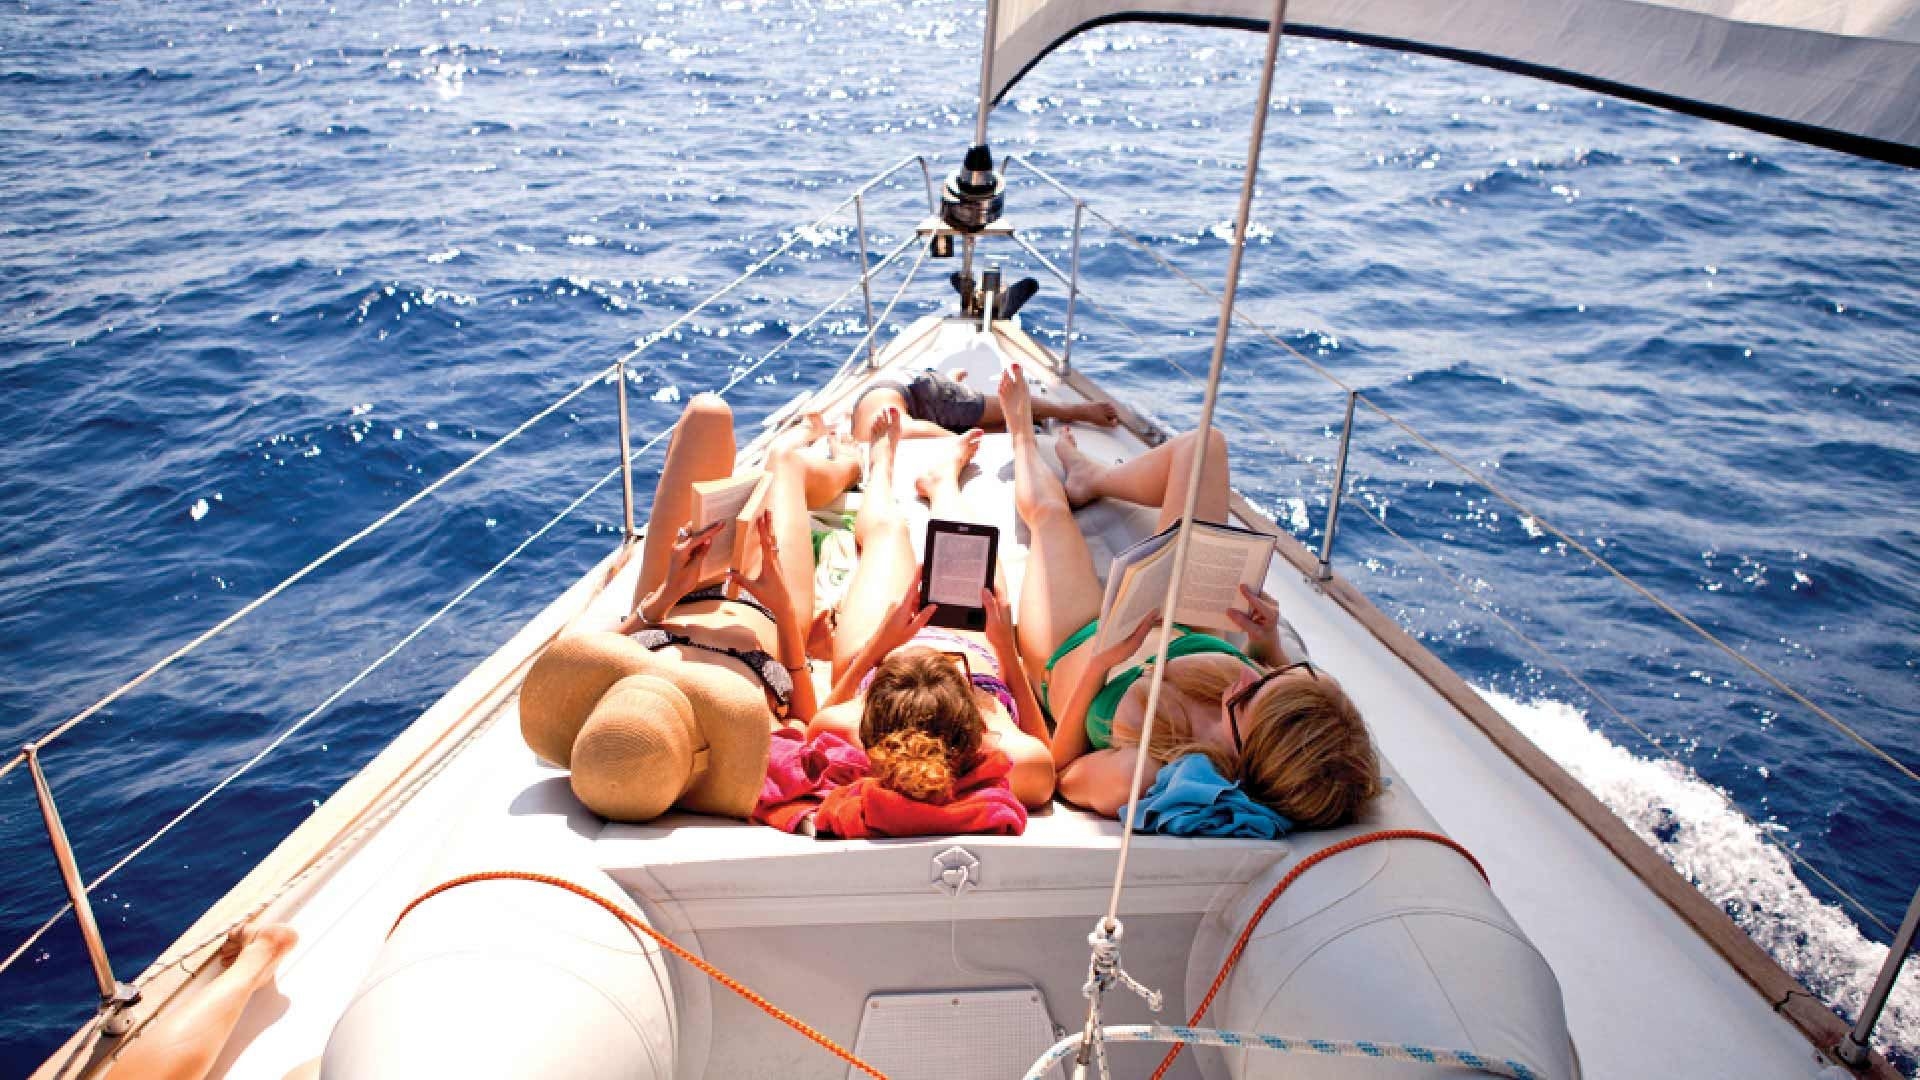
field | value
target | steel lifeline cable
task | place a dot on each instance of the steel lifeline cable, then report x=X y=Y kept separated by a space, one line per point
x=660 y=939
x=1246 y=932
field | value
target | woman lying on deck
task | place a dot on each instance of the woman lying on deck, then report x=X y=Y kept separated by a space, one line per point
x=897 y=676
x=627 y=707
x=1281 y=727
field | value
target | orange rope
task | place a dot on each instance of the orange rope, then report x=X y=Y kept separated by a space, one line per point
x=1246 y=932
x=715 y=973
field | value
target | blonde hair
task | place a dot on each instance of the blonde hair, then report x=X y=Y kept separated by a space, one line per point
x=921 y=725
x=1305 y=751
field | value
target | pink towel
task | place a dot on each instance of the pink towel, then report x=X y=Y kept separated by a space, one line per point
x=983 y=803
x=800 y=773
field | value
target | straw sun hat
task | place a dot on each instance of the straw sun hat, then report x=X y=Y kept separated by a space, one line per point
x=642 y=733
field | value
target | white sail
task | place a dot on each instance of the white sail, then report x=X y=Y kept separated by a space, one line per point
x=1842 y=73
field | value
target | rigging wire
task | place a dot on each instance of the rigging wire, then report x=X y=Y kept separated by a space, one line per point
x=1148 y=348
x=294 y=728
x=485 y=452
x=1333 y=379
x=410 y=637
x=1275 y=26
x=1466 y=591
x=1651 y=597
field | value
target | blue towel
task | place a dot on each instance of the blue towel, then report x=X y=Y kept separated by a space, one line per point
x=1191 y=798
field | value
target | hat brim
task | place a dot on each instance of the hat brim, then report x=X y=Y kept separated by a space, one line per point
x=730 y=712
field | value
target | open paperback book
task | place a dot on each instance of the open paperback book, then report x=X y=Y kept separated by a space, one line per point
x=1220 y=559
x=736 y=500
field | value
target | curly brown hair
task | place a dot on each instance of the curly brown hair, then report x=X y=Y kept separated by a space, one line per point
x=921 y=724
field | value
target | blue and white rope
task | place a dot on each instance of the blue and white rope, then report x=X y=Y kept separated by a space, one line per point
x=1166 y=1033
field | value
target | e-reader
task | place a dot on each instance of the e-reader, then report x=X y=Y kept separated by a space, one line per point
x=958 y=563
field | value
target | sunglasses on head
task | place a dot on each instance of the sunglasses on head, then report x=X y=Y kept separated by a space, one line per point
x=959 y=660
x=1235 y=702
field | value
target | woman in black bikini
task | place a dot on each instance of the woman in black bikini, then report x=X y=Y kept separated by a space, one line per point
x=726 y=670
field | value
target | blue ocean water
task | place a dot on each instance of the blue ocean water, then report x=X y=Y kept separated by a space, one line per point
x=268 y=270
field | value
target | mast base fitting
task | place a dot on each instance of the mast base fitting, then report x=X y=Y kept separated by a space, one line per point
x=116 y=1017
x=975 y=195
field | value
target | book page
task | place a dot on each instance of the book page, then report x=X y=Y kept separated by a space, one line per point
x=1216 y=568
x=1219 y=560
x=722 y=500
x=1133 y=592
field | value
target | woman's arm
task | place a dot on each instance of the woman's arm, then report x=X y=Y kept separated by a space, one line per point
x=864 y=661
x=1098 y=781
x=1070 y=723
x=1261 y=623
x=905 y=620
x=683 y=574
x=789 y=626
x=1006 y=653
x=793 y=656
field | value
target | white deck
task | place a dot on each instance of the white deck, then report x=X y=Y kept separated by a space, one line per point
x=1644 y=995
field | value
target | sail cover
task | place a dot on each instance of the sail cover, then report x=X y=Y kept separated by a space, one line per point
x=1839 y=73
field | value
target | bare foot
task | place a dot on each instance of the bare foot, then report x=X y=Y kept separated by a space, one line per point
x=1097 y=413
x=257 y=948
x=882 y=444
x=799 y=435
x=1081 y=470
x=230 y=948
x=947 y=473
x=1016 y=401
x=815 y=425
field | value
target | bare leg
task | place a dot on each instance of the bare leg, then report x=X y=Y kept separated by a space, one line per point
x=887 y=559
x=1099 y=413
x=184 y=1043
x=787 y=498
x=701 y=449
x=940 y=484
x=1155 y=478
x=1032 y=778
x=826 y=477
x=1062 y=590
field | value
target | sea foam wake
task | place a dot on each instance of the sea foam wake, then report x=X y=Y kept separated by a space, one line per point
x=1733 y=860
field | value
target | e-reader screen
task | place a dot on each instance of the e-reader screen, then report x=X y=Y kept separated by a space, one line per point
x=958 y=564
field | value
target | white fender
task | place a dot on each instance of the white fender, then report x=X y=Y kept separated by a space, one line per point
x=512 y=979
x=1399 y=941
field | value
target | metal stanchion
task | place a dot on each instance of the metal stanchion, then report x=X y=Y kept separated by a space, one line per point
x=1073 y=286
x=115 y=996
x=1855 y=1048
x=1339 y=485
x=626 y=458
x=866 y=288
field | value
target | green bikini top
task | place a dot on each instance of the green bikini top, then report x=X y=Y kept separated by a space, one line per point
x=1107 y=702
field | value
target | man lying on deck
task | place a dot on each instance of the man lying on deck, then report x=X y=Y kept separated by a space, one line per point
x=936 y=405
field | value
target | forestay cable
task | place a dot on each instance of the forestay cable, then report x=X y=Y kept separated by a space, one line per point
x=485 y=452
x=1223 y=328
x=1105 y=938
x=409 y=638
